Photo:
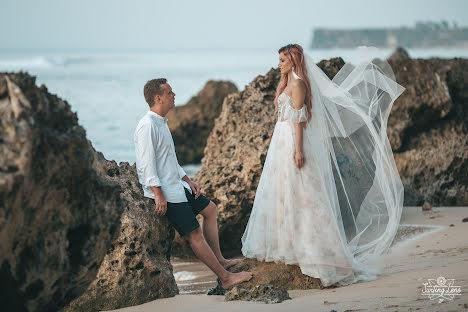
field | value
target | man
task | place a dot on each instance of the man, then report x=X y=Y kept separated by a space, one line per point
x=175 y=194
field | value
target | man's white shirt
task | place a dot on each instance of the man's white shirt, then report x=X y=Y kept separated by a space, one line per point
x=156 y=160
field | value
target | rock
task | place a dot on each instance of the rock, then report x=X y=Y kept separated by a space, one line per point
x=399 y=54
x=427 y=128
x=235 y=152
x=411 y=196
x=236 y=293
x=427 y=206
x=65 y=215
x=192 y=123
x=465 y=219
x=277 y=274
x=58 y=212
x=137 y=267
x=218 y=290
x=265 y=293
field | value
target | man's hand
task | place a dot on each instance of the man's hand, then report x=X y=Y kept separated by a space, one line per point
x=159 y=200
x=193 y=186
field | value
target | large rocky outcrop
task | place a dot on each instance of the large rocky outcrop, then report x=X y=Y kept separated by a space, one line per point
x=234 y=156
x=70 y=219
x=192 y=123
x=426 y=129
x=137 y=267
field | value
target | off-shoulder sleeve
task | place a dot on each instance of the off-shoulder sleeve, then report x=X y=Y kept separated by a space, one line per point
x=296 y=115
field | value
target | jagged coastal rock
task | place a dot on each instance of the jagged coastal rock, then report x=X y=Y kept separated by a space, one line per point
x=276 y=274
x=192 y=123
x=137 y=267
x=234 y=156
x=400 y=53
x=73 y=226
x=266 y=293
x=269 y=283
x=427 y=130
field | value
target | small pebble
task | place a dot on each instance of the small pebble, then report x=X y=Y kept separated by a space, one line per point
x=426 y=206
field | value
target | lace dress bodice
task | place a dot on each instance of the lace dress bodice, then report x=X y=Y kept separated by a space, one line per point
x=287 y=112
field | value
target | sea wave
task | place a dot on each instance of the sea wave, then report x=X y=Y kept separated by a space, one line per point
x=184 y=276
x=41 y=62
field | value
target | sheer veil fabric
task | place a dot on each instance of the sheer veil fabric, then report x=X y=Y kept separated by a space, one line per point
x=337 y=215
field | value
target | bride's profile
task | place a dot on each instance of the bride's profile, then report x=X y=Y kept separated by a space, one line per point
x=330 y=197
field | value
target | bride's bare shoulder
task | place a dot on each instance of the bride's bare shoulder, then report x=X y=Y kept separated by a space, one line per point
x=298 y=91
x=298 y=85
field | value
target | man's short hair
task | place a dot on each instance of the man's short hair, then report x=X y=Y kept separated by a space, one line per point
x=152 y=88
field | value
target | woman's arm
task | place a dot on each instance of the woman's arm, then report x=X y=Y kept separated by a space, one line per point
x=299 y=92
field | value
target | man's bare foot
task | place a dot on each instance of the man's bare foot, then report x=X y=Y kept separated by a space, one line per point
x=236 y=278
x=227 y=263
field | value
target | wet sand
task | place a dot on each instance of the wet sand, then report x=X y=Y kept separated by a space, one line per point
x=429 y=244
x=192 y=277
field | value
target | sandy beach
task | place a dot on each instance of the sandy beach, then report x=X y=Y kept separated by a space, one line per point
x=435 y=245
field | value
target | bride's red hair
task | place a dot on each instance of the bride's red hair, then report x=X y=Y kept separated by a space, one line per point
x=295 y=55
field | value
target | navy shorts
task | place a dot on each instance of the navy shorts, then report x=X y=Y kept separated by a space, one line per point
x=182 y=215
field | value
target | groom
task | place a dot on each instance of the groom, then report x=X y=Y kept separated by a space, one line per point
x=174 y=193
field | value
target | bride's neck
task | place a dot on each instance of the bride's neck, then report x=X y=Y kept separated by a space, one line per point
x=290 y=77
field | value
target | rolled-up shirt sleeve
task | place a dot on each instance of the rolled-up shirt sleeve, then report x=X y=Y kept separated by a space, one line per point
x=145 y=145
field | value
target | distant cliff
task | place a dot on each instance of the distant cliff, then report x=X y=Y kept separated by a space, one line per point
x=422 y=35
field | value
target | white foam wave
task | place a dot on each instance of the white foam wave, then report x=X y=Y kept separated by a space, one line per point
x=184 y=276
x=25 y=63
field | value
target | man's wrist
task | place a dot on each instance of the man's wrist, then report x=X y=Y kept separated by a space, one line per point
x=186 y=179
x=157 y=191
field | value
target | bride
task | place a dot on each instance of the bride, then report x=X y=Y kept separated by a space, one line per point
x=330 y=197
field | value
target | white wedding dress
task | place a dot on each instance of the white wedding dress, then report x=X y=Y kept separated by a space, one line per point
x=337 y=215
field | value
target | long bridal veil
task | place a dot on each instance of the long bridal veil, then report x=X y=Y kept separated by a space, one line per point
x=363 y=189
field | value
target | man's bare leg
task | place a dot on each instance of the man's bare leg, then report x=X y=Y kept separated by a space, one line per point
x=210 y=231
x=206 y=255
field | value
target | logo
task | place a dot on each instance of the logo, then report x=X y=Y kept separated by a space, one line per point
x=441 y=288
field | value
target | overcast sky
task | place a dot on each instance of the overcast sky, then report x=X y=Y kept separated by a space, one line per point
x=124 y=25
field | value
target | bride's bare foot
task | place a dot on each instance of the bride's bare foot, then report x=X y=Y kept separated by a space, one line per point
x=227 y=263
x=236 y=278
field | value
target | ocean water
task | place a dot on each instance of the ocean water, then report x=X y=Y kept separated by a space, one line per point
x=106 y=89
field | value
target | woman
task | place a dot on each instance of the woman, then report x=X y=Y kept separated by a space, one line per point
x=330 y=197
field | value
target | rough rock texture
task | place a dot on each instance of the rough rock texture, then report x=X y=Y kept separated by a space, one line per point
x=58 y=214
x=427 y=130
x=61 y=210
x=399 y=54
x=266 y=293
x=234 y=156
x=412 y=196
x=192 y=123
x=137 y=268
x=285 y=275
